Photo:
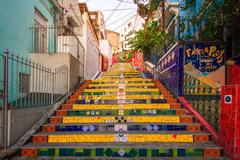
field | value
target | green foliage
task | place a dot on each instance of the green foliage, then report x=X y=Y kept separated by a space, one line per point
x=213 y=19
x=149 y=40
x=188 y=4
x=147 y=7
x=154 y=4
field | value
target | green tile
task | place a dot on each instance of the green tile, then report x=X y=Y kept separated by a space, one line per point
x=79 y=150
x=108 y=152
x=56 y=152
x=155 y=153
x=87 y=152
x=70 y=151
x=175 y=153
x=133 y=152
x=99 y=151
x=149 y=153
x=51 y=152
x=142 y=152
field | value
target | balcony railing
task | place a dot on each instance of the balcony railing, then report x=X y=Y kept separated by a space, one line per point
x=51 y=39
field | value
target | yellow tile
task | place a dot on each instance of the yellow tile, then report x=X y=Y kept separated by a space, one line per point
x=126 y=106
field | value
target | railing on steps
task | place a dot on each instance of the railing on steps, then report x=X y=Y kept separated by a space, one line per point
x=207 y=126
x=12 y=151
x=148 y=69
x=205 y=99
x=28 y=84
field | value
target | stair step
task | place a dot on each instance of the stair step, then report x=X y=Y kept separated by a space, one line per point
x=126 y=98
x=118 y=101
x=133 y=150
x=91 y=137
x=125 y=90
x=93 y=112
x=117 y=86
x=128 y=81
x=128 y=94
x=123 y=119
x=121 y=106
x=194 y=127
x=126 y=85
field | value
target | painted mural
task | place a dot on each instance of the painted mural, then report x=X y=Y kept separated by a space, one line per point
x=138 y=60
x=204 y=74
x=122 y=57
x=206 y=64
x=169 y=70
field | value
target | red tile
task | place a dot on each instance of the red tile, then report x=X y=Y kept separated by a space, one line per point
x=39 y=138
x=29 y=152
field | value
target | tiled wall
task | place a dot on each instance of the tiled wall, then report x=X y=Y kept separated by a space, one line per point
x=229 y=131
x=170 y=70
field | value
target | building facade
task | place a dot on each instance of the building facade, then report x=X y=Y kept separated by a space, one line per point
x=16 y=33
x=90 y=41
x=114 y=39
x=127 y=31
x=98 y=23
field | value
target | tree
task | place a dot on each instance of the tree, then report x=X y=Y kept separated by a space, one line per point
x=149 y=40
x=147 y=7
x=214 y=17
x=217 y=21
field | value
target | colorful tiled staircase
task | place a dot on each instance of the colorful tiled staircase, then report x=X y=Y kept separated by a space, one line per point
x=121 y=116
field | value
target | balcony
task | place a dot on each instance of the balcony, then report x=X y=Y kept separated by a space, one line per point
x=58 y=46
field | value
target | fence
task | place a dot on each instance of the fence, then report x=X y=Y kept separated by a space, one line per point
x=59 y=39
x=204 y=99
x=28 y=84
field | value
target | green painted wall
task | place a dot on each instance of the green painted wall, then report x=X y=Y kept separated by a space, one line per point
x=16 y=18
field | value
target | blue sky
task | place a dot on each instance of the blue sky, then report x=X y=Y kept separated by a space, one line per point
x=119 y=16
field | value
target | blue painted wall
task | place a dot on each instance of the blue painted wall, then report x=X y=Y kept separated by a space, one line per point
x=16 y=18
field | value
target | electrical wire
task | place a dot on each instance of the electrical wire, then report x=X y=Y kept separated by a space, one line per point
x=118 y=5
x=121 y=24
x=120 y=9
x=124 y=1
x=120 y=18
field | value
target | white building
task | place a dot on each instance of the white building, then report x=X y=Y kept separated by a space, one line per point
x=134 y=24
x=106 y=50
x=90 y=42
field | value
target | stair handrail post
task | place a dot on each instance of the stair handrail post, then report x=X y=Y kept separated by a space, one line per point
x=5 y=99
x=53 y=79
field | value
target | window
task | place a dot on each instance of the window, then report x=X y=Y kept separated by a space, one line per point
x=40 y=32
x=24 y=80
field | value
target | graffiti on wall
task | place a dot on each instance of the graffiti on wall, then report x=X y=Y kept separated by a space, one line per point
x=138 y=60
x=204 y=74
x=205 y=63
x=205 y=58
